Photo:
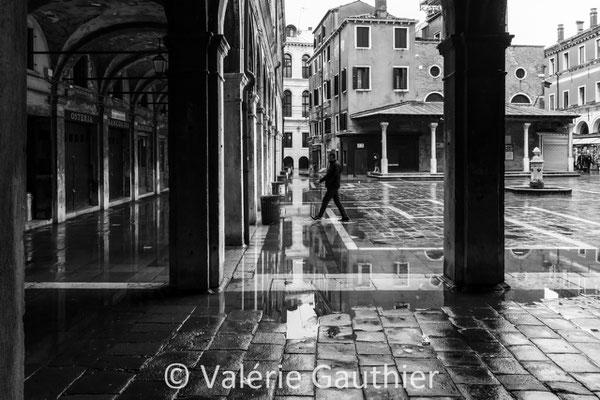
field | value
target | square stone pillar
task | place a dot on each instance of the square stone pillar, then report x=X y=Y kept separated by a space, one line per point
x=433 y=161
x=252 y=159
x=474 y=106
x=188 y=145
x=216 y=165
x=260 y=153
x=104 y=162
x=13 y=136
x=59 y=202
x=234 y=160
x=384 y=159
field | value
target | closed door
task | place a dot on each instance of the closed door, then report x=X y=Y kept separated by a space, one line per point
x=360 y=162
x=403 y=155
x=78 y=166
x=116 y=139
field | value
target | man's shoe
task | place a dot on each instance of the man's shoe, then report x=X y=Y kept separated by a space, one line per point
x=346 y=219
x=316 y=218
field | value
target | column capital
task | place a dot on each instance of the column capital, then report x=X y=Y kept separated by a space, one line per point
x=433 y=125
x=571 y=126
x=526 y=125
x=384 y=125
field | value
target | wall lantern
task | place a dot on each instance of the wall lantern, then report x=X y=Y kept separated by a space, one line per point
x=159 y=62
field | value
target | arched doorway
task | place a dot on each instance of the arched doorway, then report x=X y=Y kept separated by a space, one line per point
x=303 y=163
x=288 y=162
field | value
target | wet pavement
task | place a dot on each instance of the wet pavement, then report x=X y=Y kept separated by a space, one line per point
x=319 y=309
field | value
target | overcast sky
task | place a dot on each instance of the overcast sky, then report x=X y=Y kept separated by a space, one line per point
x=531 y=21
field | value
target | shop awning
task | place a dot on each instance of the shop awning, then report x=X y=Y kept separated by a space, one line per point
x=586 y=141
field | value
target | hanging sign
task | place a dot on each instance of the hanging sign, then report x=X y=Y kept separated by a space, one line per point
x=75 y=116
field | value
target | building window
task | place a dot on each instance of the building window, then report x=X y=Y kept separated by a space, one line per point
x=597 y=92
x=520 y=99
x=328 y=89
x=305 y=66
x=581 y=55
x=520 y=73
x=287 y=103
x=287 y=66
x=566 y=103
x=434 y=98
x=361 y=78
x=305 y=103
x=80 y=72
x=304 y=139
x=328 y=53
x=437 y=36
x=343 y=121
x=565 y=61
x=552 y=66
x=323 y=32
x=336 y=85
x=400 y=38
x=435 y=71
x=327 y=125
x=363 y=37
x=401 y=78
x=552 y=103
x=287 y=139
x=597 y=48
x=344 y=81
x=581 y=95
x=337 y=123
x=316 y=97
x=30 y=48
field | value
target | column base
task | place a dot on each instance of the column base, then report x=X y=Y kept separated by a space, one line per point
x=384 y=166
x=526 y=164
x=571 y=166
x=433 y=166
x=497 y=288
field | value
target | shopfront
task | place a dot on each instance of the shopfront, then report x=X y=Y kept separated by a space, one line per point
x=145 y=159
x=119 y=165
x=81 y=160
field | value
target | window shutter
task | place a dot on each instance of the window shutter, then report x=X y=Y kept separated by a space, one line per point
x=354 y=78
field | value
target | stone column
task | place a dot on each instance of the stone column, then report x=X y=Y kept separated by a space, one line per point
x=13 y=129
x=155 y=155
x=216 y=164
x=384 y=159
x=433 y=162
x=474 y=89
x=60 y=196
x=570 y=159
x=104 y=165
x=135 y=164
x=188 y=145
x=252 y=160
x=260 y=153
x=526 y=126
x=234 y=168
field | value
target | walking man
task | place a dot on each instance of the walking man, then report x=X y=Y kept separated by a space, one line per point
x=332 y=183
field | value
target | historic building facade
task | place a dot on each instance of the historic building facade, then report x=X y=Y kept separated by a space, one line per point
x=296 y=98
x=572 y=79
x=389 y=61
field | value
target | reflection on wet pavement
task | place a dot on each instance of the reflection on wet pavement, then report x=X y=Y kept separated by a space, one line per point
x=323 y=300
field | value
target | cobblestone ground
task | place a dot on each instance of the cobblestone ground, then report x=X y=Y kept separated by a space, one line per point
x=323 y=310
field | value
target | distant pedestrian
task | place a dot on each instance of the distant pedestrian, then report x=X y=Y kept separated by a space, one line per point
x=332 y=183
x=585 y=161
x=376 y=162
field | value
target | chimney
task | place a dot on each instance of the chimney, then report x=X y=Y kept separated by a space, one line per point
x=381 y=8
x=561 y=32
x=579 y=26
x=593 y=17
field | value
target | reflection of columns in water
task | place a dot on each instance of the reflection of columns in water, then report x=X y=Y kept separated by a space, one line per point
x=104 y=227
x=433 y=191
x=386 y=195
x=526 y=146
x=384 y=159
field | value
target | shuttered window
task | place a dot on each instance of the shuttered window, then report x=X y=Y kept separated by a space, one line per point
x=361 y=78
x=400 y=78
x=363 y=40
x=400 y=38
x=344 y=80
